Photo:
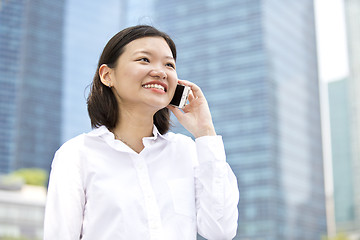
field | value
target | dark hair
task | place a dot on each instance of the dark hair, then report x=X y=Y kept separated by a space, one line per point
x=101 y=102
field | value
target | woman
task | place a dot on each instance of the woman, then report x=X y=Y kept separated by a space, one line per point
x=129 y=178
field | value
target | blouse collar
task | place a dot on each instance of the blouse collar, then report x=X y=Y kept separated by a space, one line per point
x=103 y=131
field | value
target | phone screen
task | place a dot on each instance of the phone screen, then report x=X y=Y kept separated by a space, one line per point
x=178 y=94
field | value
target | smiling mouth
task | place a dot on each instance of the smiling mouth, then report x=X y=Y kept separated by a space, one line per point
x=156 y=86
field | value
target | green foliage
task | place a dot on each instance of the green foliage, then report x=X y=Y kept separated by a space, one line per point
x=339 y=236
x=11 y=179
x=14 y=238
x=32 y=176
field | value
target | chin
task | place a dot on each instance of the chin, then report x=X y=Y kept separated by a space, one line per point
x=157 y=107
x=158 y=104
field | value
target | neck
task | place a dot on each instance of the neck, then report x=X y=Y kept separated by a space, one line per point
x=133 y=126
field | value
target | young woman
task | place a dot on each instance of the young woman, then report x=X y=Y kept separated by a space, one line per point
x=130 y=178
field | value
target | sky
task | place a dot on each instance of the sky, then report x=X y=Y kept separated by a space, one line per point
x=331 y=40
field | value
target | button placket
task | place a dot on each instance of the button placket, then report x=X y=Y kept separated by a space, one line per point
x=152 y=208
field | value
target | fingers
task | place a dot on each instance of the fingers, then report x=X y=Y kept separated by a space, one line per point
x=195 y=89
x=191 y=97
x=187 y=108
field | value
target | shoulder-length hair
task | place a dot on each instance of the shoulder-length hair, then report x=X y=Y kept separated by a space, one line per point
x=101 y=102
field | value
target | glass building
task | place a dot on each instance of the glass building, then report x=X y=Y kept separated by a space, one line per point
x=341 y=155
x=87 y=28
x=352 y=13
x=22 y=212
x=31 y=76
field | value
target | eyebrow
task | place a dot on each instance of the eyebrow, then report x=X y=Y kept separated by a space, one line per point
x=149 y=53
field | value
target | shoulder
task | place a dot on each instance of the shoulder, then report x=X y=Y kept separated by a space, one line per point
x=81 y=142
x=73 y=144
x=69 y=153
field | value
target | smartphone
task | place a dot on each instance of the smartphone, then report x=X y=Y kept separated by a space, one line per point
x=180 y=96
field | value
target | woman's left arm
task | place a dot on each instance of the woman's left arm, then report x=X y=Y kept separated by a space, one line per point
x=217 y=193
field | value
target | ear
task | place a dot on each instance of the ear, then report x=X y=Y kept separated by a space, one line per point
x=105 y=75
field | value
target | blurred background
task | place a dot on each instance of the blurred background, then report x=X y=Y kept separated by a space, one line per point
x=281 y=78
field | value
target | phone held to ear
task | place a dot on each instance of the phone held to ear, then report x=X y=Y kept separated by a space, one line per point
x=180 y=96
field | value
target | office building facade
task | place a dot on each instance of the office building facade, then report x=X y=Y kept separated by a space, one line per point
x=342 y=161
x=31 y=35
x=352 y=13
x=22 y=212
x=87 y=28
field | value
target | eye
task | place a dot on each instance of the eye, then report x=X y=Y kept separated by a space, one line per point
x=144 y=59
x=170 y=65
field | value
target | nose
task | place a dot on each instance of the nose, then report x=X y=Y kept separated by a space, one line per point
x=158 y=74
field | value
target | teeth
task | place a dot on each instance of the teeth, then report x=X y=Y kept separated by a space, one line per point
x=157 y=86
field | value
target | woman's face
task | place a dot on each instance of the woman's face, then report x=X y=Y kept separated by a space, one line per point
x=145 y=74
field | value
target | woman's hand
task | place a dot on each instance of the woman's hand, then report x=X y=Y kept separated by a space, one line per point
x=195 y=116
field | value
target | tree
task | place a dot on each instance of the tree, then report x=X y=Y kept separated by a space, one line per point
x=339 y=236
x=32 y=176
x=14 y=238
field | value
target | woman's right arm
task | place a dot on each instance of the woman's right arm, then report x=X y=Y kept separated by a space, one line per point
x=65 y=198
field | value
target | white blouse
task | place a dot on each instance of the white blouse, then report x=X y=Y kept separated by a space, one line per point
x=100 y=189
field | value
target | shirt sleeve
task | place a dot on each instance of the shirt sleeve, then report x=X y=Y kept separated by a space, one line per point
x=65 y=198
x=217 y=193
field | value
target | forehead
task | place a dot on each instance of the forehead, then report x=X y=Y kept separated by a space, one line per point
x=148 y=44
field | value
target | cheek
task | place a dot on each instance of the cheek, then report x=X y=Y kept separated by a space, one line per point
x=172 y=78
x=172 y=81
